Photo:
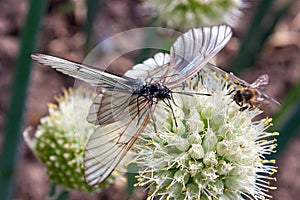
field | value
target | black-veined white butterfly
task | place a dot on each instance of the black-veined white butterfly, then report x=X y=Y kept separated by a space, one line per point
x=124 y=106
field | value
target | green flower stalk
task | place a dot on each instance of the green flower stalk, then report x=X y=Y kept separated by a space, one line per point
x=216 y=152
x=60 y=138
x=183 y=14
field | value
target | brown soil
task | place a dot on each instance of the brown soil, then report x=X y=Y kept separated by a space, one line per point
x=62 y=34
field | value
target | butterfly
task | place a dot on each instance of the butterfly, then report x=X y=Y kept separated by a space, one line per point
x=246 y=95
x=125 y=104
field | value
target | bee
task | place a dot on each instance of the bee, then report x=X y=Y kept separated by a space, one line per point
x=244 y=94
x=249 y=96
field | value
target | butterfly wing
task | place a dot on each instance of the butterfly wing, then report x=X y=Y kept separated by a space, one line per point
x=188 y=54
x=151 y=69
x=231 y=79
x=193 y=50
x=109 y=107
x=85 y=73
x=108 y=145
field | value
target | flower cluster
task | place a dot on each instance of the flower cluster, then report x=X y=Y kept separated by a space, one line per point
x=183 y=14
x=216 y=151
x=60 y=138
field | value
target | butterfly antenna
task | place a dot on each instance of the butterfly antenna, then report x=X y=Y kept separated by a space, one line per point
x=192 y=93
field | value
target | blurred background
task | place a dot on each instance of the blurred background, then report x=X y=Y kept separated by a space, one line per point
x=266 y=40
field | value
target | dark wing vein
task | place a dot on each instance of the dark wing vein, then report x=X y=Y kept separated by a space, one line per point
x=151 y=69
x=188 y=54
x=193 y=50
x=86 y=73
x=108 y=107
x=108 y=144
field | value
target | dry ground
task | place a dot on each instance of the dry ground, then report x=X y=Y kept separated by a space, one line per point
x=61 y=34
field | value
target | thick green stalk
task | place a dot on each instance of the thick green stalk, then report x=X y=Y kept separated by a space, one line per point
x=261 y=27
x=19 y=90
x=93 y=8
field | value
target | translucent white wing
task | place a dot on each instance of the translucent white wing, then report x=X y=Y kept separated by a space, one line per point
x=189 y=53
x=151 y=69
x=262 y=81
x=193 y=50
x=109 y=106
x=108 y=145
x=230 y=77
x=86 y=73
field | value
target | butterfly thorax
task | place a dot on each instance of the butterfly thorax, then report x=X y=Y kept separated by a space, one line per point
x=152 y=91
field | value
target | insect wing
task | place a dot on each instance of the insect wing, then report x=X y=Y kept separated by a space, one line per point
x=151 y=69
x=193 y=50
x=267 y=103
x=188 y=54
x=86 y=73
x=108 y=145
x=261 y=81
x=228 y=76
x=110 y=106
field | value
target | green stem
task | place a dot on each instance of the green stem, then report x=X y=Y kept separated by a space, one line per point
x=17 y=102
x=58 y=192
x=93 y=8
x=261 y=27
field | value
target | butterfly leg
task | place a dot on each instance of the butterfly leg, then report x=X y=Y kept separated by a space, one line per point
x=138 y=108
x=173 y=100
x=170 y=106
